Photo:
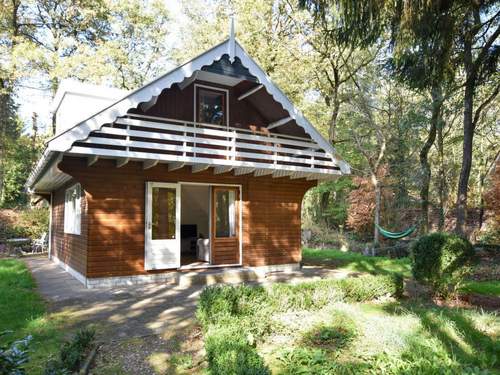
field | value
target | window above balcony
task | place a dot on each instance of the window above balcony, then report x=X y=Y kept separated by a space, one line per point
x=211 y=105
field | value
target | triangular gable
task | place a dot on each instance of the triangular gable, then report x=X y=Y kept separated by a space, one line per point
x=149 y=92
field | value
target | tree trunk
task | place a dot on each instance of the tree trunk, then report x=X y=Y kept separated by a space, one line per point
x=441 y=174
x=325 y=198
x=437 y=101
x=376 y=218
x=463 y=182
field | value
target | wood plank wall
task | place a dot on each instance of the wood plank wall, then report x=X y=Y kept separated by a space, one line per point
x=69 y=248
x=115 y=200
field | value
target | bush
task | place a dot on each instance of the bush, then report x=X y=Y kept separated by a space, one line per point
x=13 y=356
x=369 y=287
x=229 y=352
x=442 y=261
x=72 y=354
x=220 y=302
x=24 y=223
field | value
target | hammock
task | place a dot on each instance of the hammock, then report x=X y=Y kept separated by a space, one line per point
x=396 y=235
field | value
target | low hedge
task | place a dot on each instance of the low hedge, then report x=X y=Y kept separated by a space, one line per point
x=233 y=316
x=230 y=353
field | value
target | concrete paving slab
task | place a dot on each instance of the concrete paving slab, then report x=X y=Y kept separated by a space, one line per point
x=139 y=310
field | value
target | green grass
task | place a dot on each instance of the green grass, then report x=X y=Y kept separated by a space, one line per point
x=357 y=262
x=390 y=338
x=489 y=288
x=24 y=313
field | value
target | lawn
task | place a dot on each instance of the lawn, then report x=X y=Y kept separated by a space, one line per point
x=356 y=262
x=23 y=312
x=332 y=327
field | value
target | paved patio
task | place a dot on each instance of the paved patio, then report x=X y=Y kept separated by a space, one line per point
x=136 y=310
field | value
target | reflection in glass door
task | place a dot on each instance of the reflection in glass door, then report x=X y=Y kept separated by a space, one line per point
x=162 y=233
x=225 y=225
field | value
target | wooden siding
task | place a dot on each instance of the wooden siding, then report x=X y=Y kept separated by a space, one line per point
x=245 y=114
x=115 y=204
x=69 y=248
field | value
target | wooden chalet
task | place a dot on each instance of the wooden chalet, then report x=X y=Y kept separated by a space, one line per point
x=203 y=167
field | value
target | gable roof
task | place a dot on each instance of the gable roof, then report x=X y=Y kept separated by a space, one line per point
x=149 y=93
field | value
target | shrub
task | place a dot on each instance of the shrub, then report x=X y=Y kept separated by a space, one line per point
x=317 y=294
x=229 y=352
x=305 y=296
x=220 y=302
x=13 y=356
x=72 y=354
x=442 y=261
x=366 y=288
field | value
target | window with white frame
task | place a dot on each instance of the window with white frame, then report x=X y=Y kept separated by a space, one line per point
x=73 y=209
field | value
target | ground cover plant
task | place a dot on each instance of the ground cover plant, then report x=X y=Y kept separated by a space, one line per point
x=23 y=313
x=349 y=326
x=235 y=319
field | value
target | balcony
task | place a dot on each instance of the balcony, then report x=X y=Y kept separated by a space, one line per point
x=155 y=140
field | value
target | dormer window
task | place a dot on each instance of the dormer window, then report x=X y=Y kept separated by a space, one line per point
x=211 y=105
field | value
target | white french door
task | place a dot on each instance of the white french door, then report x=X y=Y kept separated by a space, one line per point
x=163 y=228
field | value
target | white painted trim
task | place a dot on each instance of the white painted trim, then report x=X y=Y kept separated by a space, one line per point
x=63 y=141
x=149 y=164
x=50 y=225
x=148 y=241
x=77 y=275
x=250 y=92
x=91 y=160
x=275 y=124
x=120 y=162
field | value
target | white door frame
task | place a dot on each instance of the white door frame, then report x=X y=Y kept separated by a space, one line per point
x=149 y=244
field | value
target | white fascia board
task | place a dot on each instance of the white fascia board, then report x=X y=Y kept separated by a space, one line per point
x=63 y=142
x=281 y=98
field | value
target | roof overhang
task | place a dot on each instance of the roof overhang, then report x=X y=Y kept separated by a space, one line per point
x=62 y=143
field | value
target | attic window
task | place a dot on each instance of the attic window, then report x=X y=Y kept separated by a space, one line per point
x=211 y=105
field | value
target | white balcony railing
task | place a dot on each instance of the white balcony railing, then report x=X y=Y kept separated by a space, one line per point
x=138 y=137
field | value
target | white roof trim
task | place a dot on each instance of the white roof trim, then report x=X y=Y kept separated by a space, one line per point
x=63 y=142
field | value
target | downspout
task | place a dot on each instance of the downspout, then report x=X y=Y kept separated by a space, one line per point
x=50 y=224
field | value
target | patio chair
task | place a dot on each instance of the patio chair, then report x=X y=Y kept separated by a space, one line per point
x=40 y=244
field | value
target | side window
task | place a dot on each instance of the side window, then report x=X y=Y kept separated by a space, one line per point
x=73 y=210
x=211 y=106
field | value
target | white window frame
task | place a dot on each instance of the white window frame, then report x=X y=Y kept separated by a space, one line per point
x=73 y=209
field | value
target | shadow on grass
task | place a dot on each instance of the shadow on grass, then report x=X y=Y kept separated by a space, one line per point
x=455 y=330
x=356 y=262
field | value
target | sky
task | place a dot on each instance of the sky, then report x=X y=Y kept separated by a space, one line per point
x=33 y=99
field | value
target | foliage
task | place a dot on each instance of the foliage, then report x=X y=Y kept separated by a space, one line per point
x=72 y=354
x=14 y=356
x=442 y=261
x=229 y=353
x=326 y=205
x=234 y=318
x=24 y=313
x=30 y=222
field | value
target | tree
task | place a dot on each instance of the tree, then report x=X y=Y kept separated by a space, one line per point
x=468 y=30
